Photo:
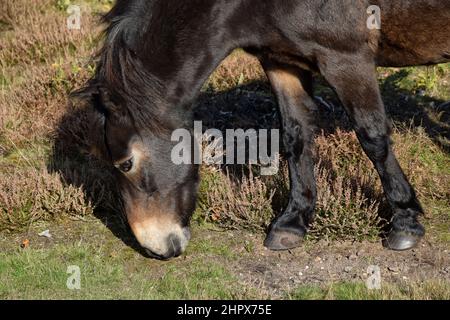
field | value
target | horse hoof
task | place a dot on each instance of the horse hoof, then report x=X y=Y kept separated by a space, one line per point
x=401 y=241
x=282 y=240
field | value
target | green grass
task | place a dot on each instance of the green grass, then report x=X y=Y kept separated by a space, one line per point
x=207 y=247
x=428 y=79
x=42 y=274
x=203 y=280
x=112 y=271
x=358 y=291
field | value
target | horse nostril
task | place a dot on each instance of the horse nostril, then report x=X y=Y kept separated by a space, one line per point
x=174 y=245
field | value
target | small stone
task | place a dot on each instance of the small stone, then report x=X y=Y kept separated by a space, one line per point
x=318 y=259
x=352 y=257
x=393 y=269
x=348 y=269
x=45 y=234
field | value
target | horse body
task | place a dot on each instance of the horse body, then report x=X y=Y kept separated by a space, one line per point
x=414 y=33
x=158 y=54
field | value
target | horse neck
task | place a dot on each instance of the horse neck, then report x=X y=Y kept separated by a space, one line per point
x=183 y=55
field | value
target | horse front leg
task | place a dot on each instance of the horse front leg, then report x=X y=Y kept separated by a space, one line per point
x=353 y=76
x=293 y=88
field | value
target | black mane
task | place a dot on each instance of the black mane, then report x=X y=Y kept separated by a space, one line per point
x=134 y=92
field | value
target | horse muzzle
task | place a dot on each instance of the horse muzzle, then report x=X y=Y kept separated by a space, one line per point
x=161 y=241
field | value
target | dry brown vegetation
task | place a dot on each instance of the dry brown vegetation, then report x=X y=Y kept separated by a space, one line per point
x=39 y=67
x=37 y=34
x=31 y=195
x=40 y=62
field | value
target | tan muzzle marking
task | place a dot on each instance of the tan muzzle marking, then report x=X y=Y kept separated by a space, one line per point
x=153 y=229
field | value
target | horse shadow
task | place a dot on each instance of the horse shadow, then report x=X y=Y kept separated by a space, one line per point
x=71 y=159
x=251 y=105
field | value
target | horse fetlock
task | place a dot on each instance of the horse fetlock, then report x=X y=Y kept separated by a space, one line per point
x=406 y=221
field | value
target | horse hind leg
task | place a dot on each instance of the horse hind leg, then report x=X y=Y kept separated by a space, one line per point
x=292 y=87
x=353 y=76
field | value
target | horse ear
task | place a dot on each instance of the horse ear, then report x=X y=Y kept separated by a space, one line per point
x=111 y=106
x=98 y=97
x=86 y=93
x=106 y=101
x=96 y=137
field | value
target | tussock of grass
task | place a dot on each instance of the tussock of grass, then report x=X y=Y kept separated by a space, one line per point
x=30 y=195
x=344 y=212
x=236 y=204
x=349 y=193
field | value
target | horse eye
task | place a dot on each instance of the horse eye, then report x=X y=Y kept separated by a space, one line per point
x=126 y=166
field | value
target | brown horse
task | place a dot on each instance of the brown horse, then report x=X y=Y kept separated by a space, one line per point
x=158 y=53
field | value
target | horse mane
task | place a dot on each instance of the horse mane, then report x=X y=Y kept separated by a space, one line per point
x=134 y=92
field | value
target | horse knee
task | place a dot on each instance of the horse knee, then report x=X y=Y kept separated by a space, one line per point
x=375 y=146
